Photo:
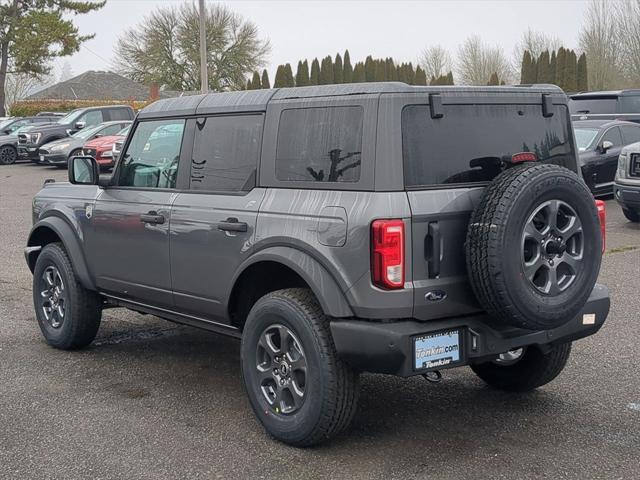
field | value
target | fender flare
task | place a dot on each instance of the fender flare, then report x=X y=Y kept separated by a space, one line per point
x=71 y=243
x=322 y=284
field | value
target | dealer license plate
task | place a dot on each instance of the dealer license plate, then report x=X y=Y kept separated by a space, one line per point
x=42 y=158
x=437 y=350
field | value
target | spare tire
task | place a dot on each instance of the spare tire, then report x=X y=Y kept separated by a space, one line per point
x=533 y=247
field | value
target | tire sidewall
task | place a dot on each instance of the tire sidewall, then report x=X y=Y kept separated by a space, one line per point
x=298 y=425
x=545 y=310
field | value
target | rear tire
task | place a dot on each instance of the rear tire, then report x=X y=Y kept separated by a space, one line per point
x=533 y=370
x=632 y=215
x=68 y=314
x=299 y=389
x=8 y=155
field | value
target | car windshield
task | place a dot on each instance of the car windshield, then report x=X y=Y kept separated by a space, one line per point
x=71 y=117
x=87 y=132
x=584 y=137
x=124 y=132
x=4 y=123
x=23 y=129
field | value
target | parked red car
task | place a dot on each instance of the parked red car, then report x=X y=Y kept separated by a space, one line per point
x=101 y=148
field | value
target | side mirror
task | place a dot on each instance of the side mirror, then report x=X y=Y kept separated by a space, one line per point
x=606 y=145
x=98 y=135
x=83 y=171
x=80 y=125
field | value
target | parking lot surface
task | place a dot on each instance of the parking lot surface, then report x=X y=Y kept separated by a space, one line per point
x=152 y=399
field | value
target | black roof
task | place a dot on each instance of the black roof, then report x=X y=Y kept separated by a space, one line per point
x=257 y=100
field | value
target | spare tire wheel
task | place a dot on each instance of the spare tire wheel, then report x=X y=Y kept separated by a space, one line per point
x=533 y=246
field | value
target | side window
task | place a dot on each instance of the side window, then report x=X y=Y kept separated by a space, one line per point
x=151 y=159
x=111 y=129
x=630 y=134
x=117 y=114
x=93 y=117
x=320 y=144
x=225 y=153
x=15 y=126
x=612 y=135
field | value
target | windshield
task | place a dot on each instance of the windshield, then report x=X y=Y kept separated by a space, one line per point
x=584 y=137
x=23 y=129
x=70 y=117
x=4 y=123
x=87 y=132
x=124 y=132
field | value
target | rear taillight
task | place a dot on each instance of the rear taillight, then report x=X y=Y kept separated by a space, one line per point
x=524 y=157
x=602 y=216
x=387 y=253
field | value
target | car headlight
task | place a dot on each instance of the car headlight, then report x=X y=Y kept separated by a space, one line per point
x=35 y=137
x=58 y=147
x=622 y=166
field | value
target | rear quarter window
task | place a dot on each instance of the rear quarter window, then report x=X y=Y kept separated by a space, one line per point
x=320 y=144
x=470 y=142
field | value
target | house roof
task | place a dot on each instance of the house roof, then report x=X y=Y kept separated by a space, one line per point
x=94 y=85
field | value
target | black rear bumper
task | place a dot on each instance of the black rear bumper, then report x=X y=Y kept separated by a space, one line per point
x=387 y=347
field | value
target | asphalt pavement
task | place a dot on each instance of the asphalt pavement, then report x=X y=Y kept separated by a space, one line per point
x=151 y=399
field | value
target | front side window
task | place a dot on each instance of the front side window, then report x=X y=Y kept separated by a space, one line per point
x=585 y=137
x=470 y=143
x=151 y=159
x=630 y=134
x=612 y=135
x=225 y=153
x=91 y=118
x=320 y=144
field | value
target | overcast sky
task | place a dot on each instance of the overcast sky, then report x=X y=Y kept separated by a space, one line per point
x=307 y=29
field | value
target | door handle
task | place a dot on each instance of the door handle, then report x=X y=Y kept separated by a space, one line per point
x=433 y=249
x=232 y=224
x=152 y=217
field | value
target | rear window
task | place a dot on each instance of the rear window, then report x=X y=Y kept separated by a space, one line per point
x=470 y=143
x=320 y=144
x=593 y=105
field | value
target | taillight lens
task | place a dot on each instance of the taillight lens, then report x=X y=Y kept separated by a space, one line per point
x=524 y=157
x=602 y=216
x=387 y=253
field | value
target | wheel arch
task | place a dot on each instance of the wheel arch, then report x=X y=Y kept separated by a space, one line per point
x=55 y=229
x=299 y=269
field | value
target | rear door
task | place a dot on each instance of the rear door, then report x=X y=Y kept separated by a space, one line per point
x=449 y=156
x=213 y=223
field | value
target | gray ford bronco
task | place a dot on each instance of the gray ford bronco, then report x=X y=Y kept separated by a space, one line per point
x=372 y=227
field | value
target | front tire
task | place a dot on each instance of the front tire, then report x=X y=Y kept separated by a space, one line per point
x=631 y=215
x=299 y=389
x=8 y=155
x=68 y=314
x=535 y=368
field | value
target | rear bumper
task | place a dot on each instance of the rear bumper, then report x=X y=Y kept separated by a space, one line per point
x=387 y=347
x=628 y=196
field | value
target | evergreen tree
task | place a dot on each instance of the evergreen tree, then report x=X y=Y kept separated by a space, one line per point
x=401 y=73
x=409 y=73
x=525 y=69
x=338 y=70
x=571 y=72
x=560 y=68
x=347 y=70
x=359 y=74
x=279 y=81
x=381 y=71
x=314 y=78
x=392 y=72
x=583 y=82
x=249 y=85
x=449 y=79
x=369 y=69
x=326 y=71
x=543 y=68
x=493 y=79
x=421 y=76
x=265 y=79
x=256 y=84
x=288 y=76
x=302 y=74
x=553 y=63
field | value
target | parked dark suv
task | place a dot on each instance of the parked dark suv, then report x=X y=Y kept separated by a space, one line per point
x=607 y=105
x=336 y=229
x=29 y=143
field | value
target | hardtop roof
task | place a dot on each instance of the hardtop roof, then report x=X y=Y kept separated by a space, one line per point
x=257 y=100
